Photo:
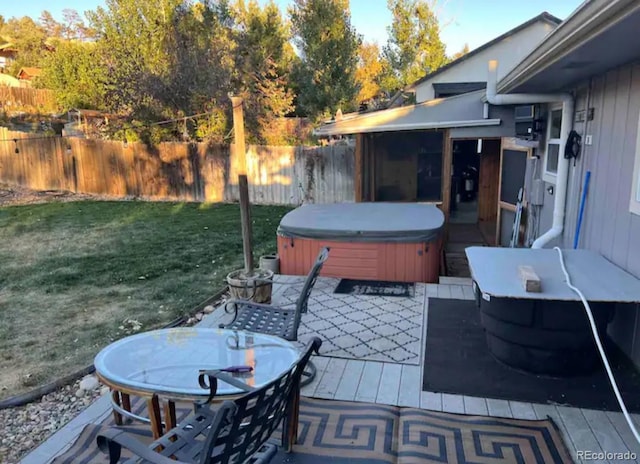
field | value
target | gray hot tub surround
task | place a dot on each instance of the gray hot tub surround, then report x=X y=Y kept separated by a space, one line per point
x=547 y=332
x=364 y=222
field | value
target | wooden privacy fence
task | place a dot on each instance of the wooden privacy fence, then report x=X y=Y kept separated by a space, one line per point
x=176 y=171
x=21 y=97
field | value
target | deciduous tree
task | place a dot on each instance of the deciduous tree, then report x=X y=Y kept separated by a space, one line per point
x=461 y=53
x=369 y=72
x=414 y=47
x=264 y=58
x=328 y=47
x=76 y=75
x=28 y=38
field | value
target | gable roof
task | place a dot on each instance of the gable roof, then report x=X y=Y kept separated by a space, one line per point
x=29 y=72
x=544 y=17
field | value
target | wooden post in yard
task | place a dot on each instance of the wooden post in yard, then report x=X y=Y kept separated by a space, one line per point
x=240 y=155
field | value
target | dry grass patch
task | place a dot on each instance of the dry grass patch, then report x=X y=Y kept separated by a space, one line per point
x=76 y=276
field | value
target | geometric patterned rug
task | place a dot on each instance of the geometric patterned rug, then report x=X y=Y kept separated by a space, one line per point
x=336 y=432
x=365 y=327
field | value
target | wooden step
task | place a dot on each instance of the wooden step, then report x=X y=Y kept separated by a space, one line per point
x=446 y=280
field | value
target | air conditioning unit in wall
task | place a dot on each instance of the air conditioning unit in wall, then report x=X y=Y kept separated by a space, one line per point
x=528 y=123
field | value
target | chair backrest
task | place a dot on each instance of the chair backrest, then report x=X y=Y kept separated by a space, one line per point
x=303 y=300
x=242 y=426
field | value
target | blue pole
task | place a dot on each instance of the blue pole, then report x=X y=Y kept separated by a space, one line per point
x=583 y=200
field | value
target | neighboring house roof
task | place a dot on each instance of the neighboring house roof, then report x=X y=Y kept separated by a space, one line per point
x=459 y=111
x=8 y=47
x=596 y=37
x=545 y=17
x=29 y=73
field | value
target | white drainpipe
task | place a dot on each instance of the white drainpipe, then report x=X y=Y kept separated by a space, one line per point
x=566 y=126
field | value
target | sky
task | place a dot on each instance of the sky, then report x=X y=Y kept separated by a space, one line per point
x=465 y=21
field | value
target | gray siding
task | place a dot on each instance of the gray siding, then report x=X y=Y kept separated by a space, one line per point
x=608 y=227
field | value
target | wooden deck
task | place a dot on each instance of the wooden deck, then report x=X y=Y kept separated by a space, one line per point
x=393 y=383
x=400 y=384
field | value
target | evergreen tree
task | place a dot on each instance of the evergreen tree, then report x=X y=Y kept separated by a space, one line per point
x=328 y=46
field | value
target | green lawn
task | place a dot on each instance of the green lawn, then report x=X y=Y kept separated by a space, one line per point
x=75 y=276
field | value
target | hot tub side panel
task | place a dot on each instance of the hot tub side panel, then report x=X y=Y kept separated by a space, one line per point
x=394 y=262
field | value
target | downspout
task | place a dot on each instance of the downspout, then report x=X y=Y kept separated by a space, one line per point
x=566 y=126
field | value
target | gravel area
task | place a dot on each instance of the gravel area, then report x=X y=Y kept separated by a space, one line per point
x=25 y=427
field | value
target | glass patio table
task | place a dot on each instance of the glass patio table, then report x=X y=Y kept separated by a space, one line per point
x=165 y=364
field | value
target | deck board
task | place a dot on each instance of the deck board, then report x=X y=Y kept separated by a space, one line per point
x=369 y=382
x=610 y=442
x=499 y=408
x=389 y=384
x=452 y=403
x=348 y=385
x=521 y=410
x=578 y=430
x=331 y=378
x=475 y=406
x=621 y=428
x=456 y=292
x=321 y=364
x=431 y=400
x=444 y=292
x=410 y=382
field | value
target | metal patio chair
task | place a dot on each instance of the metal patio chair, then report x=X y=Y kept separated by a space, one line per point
x=235 y=432
x=281 y=322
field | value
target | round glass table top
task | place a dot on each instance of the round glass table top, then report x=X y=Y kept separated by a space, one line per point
x=167 y=362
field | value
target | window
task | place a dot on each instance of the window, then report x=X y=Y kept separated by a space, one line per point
x=552 y=155
x=634 y=203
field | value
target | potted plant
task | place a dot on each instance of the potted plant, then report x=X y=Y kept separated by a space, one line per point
x=255 y=285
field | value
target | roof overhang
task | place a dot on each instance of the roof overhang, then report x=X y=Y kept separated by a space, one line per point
x=598 y=36
x=459 y=111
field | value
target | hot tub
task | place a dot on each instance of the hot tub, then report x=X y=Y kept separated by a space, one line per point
x=396 y=242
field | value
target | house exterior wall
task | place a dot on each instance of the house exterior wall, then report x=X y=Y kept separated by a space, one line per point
x=509 y=52
x=608 y=226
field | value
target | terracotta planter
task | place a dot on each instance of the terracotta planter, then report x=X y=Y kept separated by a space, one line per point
x=246 y=287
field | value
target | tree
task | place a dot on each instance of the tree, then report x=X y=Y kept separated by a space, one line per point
x=328 y=46
x=73 y=27
x=369 y=72
x=166 y=59
x=50 y=26
x=414 y=47
x=76 y=75
x=264 y=58
x=28 y=38
x=461 y=53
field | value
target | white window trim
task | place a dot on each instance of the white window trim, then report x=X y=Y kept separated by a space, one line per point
x=634 y=201
x=548 y=176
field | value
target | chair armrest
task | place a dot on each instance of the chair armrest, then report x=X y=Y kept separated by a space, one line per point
x=111 y=441
x=213 y=376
